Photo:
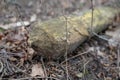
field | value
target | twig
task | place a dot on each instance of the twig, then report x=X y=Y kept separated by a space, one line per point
x=1 y=66
x=2 y=69
x=19 y=13
x=91 y=30
x=92 y=16
x=85 y=66
x=66 y=47
x=2 y=74
x=118 y=52
x=44 y=68
x=118 y=59
x=26 y=78
x=75 y=56
x=13 y=25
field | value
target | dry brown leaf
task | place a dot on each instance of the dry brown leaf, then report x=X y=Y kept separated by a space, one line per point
x=30 y=53
x=37 y=70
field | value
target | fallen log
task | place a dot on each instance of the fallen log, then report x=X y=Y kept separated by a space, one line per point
x=49 y=38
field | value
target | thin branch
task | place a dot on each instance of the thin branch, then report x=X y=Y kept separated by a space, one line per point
x=66 y=47
x=91 y=30
x=26 y=78
x=18 y=14
x=92 y=16
x=118 y=59
x=84 y=70
x=76 y=56
x=45 y=72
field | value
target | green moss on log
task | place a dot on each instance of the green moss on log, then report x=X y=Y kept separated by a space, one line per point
x=48 y=38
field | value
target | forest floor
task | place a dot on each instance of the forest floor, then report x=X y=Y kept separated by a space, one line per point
x=96 y=59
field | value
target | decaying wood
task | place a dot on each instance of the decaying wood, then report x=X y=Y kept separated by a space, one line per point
x=49 y=37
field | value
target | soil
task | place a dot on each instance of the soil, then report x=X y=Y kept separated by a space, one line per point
x=98 y=59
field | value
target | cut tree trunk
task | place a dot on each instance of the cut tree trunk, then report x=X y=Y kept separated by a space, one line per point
x=49 y=38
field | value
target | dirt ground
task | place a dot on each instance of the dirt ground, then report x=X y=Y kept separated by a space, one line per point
x=98 y=59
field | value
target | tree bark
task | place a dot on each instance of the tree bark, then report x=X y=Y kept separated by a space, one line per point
x=49 y=38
